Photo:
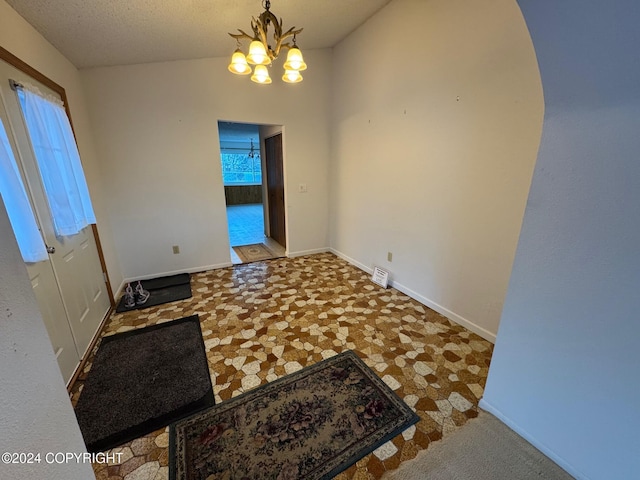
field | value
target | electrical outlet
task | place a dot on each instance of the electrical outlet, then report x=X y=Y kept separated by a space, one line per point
x=389 y=256
x=176 y=249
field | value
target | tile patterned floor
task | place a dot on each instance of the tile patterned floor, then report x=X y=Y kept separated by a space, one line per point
x=266 y=319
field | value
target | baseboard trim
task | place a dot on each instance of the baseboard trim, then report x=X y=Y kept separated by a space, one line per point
x=302 y=253
x=454 y=317
x=120 y=289
x=352 y=261
x=203 y=268
x=567 y=467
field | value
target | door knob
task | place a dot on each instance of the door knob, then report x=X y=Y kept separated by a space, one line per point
x=51 y=249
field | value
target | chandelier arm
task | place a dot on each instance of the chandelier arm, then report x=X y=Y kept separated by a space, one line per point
x=261 y=33
x=261 y=28
x=241 y=35
x=289 y=33
x=277 y=26
x=256 y=27
x=267 y=18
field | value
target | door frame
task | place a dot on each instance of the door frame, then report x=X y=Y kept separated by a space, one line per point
x=279 y=161
x=267 y=131
x=16 y=62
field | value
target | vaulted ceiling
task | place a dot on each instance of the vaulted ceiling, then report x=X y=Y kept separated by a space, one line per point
x=92 y=33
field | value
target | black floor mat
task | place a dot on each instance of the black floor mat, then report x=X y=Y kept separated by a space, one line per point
x=162 y=290
x=142 y=380
x=164 y=282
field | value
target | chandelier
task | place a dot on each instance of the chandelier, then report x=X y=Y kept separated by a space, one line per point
x=261 y=54
x=252 y=153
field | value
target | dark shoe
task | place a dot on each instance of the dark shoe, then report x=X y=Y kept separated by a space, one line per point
x=129 y=298
x=142 y=295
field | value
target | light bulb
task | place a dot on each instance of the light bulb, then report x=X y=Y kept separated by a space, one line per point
x=295 y=60
x=239 y=64
x=261 y=75
x=292 y=76
x=258 y=54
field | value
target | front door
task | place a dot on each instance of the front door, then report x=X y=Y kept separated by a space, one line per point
x=275 y=188
x=73 y=275
x=48 y=296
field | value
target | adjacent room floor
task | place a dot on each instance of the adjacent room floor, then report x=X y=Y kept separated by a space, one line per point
x=246 y=226
x=263 y=320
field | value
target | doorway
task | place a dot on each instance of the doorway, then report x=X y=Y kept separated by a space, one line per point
x=247 y=179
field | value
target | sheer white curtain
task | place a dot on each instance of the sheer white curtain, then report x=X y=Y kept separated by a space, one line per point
x=58 y=160
x=17 y=204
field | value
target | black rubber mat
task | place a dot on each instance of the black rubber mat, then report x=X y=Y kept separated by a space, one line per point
x=162 y=290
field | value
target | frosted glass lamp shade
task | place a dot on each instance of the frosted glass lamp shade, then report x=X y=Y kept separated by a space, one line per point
x=239 y=64
x=258 y=54
x=261 y=75
x=292 y=76
x=295 y=60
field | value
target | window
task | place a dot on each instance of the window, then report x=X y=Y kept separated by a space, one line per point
x=241 y=169
x=58 y=160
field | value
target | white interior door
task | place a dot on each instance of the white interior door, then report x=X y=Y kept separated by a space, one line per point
x=73 y=276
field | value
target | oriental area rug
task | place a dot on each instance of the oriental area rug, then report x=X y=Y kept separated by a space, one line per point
x=142 y=380
x=311 y=425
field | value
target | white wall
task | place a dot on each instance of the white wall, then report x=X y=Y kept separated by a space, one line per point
x=437 y=114
x=156 y=134
x=22 y=40
x=565 y=371
x=36 y=414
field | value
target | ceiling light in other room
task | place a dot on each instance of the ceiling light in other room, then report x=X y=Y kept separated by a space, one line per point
x=252 y=153
x=261 y=53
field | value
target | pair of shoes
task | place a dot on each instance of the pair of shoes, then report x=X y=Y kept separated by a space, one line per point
x=139 y=297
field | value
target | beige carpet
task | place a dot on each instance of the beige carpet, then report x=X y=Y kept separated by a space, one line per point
x=254 y=252
x=483 y=449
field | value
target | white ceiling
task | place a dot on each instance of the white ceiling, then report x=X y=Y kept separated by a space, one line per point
x=94 y=33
